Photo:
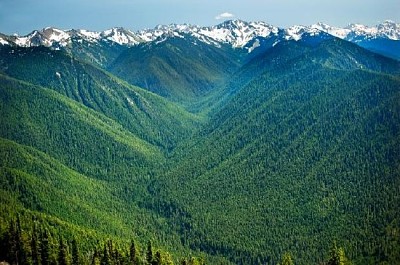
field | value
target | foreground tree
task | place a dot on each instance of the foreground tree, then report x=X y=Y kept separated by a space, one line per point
x=132 y=253
x=338 y=257
x=62 y=253
x=287 y=259
x=149 y=253
x=75 y=253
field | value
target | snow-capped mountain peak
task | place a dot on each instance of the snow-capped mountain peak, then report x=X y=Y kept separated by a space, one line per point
x=55 y=35
x=236 y=33
x=357 y=32
x=296 y=32
x=90 y=36
x=121 y=36
x=388 y=29
x=334 y=31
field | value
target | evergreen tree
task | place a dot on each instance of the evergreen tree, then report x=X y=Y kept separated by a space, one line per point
x=158 y=259
x=95 y=258
x=105 y=259
x=167 y=259
x=3 y=246
x=149 y=253
x=12 y=244
x=287 y=259
x=193 y=261
x=35 y=250
x=62 y=253
x=75 y=253
x=337 y=256
x=111 y=252
x=117 y=257
x=45 y=248
x=22 y=253
x=132 y=253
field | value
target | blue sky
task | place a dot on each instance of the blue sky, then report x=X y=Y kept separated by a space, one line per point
x=23 y=16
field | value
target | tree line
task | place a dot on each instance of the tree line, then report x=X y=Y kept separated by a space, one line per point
x=37 y=245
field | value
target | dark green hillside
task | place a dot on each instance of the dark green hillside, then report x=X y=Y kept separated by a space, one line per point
x=345 y=55
x=42 y=183
x=74 y=205
x=78 y=167
x=333 y=53
x=31 y=237
x=254 y=66
x=389 y=48
x=300 y=157
x=100 y=53
x=72 y=133
x=144 y=114
x=181 y=69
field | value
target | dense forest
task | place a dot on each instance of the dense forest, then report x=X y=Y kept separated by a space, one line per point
x=182 y=153
x=35 y=242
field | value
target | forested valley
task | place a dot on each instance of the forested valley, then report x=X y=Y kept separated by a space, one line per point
x=175 y=153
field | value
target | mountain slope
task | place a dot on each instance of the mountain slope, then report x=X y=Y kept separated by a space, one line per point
x=330 y=52
x=62 y=128
x=303 y=155
x=179 y=68
x=144 y=114
x=73 y=164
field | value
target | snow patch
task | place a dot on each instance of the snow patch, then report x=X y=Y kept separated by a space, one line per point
x=22 y=41
x=120 y=36
x=3 y=42
x=91 y=35
x=275 y=43
x=294 y=32
x=337 y=32
x=256 y=44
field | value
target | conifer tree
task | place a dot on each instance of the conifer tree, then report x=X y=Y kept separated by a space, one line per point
x=287 y=259
x=167 y=259
x=338 y=257
x=105 y=259
x=149 y=253
x=45 y=248
x=158 y=259
x=95 y=257
x=22 y=255
x=12 y=244
x=194 y=261
x=9 y=244
x=75 y=253
x=35 y=245
x=62 y=253
x=132 y=253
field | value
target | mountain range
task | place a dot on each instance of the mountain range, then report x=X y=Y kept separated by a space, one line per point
x=240 y=143
x=237 y=33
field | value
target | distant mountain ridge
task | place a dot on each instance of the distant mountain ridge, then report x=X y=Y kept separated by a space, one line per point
x=237 y=33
